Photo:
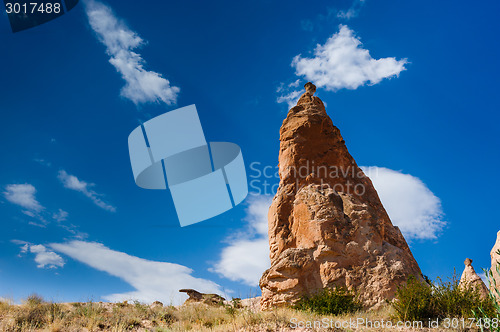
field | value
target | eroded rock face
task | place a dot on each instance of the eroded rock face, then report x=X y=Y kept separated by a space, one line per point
x=327 y=226
x=495 y=261
x=470 y=279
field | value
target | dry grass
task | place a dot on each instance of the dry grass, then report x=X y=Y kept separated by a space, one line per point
x=37 y=315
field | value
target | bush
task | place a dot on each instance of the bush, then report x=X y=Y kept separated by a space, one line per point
x=420 y=301
x=34 y=300
x=486 y=320
x=36 y=313
x=414 y=301
x=334 y=301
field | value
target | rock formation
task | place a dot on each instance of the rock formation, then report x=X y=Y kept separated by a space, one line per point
x=495 y=262
x=157 y=304
x=252 y=304
x=470 y=279
x=197 y=297
x=327 y=226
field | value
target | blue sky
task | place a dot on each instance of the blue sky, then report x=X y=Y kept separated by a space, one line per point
x=412 y=87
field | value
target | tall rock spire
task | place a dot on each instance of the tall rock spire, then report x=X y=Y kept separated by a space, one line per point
x=471 y=280
x=327 y=226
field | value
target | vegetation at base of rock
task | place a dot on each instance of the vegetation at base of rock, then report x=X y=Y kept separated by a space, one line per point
x=91 y=316
x=121 y=317
x=418 y=300
x=330 y=301
x=494 y=297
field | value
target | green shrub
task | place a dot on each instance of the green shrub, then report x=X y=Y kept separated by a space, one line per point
x=334 y=301
x=486 y=320
x=4 y=307
x=414 y=301
x=420 y=301
x=36 y=313
x=142 y=310
x=54 y=311
x=132 y=323
x=233 y=306
x=166 y=317
x=34 y=300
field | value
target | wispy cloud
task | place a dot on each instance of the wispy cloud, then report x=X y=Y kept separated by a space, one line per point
x=307 y=25
x=288 y=93
x=484 y=278
x=43 y=162
x=342 y=62
x=247 y=255
x=290 y=98
x=333 y=15
x=141 y=85
x=73 y=183
x=44 y=257
x=352 y=11
x=152 y=280
x=60 y=215
x=24 y=196
x=409 y=202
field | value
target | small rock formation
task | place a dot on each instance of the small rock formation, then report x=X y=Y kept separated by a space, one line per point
x=157 y=304
x=197 y=297
x=470 y=279
x=310 y=88
x=495 y=261
x=327 y=226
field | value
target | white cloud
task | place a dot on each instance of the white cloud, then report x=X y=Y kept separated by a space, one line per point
x=46 y=258
x=484 y=278
x=43 y=257
x=24 y=196
x=60 y=215
x=247 y=255
x=73 y=183
x=353 y=11
x=290 y=98
x=152 y=280
x=25 y=247
x=43 y=162
x=342 y=63
x=141 y=85
x=294 y=84
x=410 y=204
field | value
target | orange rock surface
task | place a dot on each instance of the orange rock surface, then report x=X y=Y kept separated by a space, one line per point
x=327 y=226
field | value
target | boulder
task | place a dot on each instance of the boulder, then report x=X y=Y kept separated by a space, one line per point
x=157 y=304
x=197 y=297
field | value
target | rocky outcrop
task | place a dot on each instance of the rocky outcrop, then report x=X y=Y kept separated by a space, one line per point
x=327 y=226
x=197 y=297
x=252 y=304
x=471 y=280
x=495 y=263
